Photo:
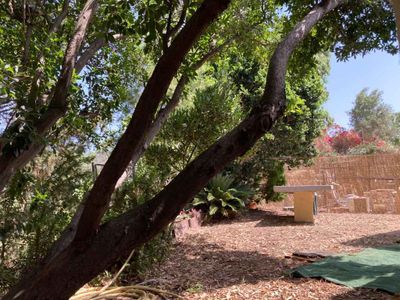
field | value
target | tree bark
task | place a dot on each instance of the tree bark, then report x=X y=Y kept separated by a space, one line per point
x=134 y=137
x=83 y=260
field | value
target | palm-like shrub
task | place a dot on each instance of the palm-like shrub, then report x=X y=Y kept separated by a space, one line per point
x=220 y=199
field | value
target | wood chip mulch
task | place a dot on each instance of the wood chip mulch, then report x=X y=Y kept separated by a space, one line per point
x=244 y=258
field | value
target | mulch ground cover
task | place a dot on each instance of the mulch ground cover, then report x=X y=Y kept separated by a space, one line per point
x=249 y=257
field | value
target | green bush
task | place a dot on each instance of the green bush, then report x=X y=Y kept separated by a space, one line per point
x=220 y=199
x=34 y=209
x=276 y=176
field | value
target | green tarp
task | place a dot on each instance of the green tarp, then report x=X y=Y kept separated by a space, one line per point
x=377 y=268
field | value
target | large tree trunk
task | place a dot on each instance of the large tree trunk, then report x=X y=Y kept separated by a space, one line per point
x=85 y=258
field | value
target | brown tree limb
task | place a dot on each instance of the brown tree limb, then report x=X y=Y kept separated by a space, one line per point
x=27 y=43
x=134 y=137
x=91 y=51
x=10 y=8
x=166 y=36
x=60 y=18
x=171 y=31
x=86 y=56
x=24 y=11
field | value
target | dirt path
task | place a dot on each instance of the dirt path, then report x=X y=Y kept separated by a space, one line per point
x=245 y=258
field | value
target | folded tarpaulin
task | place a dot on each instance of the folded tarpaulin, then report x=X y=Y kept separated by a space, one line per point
x=377 y=268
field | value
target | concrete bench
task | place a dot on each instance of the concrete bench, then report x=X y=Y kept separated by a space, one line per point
x=303 y=199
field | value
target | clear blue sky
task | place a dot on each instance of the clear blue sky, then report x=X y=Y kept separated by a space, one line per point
x=375 y=70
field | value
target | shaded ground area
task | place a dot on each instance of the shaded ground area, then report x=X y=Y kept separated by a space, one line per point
x=245 y=258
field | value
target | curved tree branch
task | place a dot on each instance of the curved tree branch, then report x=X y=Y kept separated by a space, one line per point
x=60 y=18
x=171 y=31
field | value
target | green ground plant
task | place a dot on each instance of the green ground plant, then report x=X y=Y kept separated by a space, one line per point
x=221 y=198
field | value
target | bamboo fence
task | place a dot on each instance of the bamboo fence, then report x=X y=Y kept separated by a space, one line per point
x=365 y=183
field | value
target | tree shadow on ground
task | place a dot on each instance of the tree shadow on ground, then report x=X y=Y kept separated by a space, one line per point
x=265 y=218
x=251 y=215
x=376 y=240
x=277 y=219
x=212 y=267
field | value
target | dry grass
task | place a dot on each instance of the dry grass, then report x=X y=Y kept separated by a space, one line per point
x=245 y=258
